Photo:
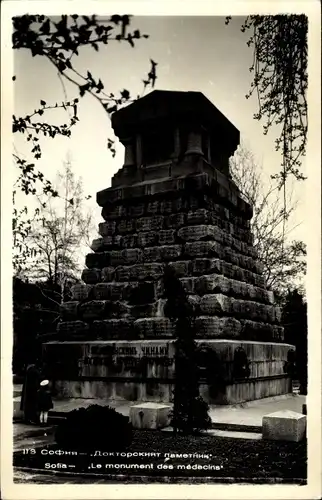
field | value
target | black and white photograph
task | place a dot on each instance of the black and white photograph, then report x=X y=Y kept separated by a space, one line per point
x=161 y=261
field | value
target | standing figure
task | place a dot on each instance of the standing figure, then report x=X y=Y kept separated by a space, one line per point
x=29 y=392
x=45 y=402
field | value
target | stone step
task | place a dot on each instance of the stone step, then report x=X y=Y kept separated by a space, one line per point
x=231 y=427
x=227 y=433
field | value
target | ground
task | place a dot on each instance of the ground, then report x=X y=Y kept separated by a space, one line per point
x=235 y=449
x=216 y=459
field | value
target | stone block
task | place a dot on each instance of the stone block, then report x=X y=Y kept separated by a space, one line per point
x=268 y=312
x=118 y=328
x=109 y=291
x=150 y=415
x=175 y=221
x=194 y=301
x=107 y=228
x=91 y=276
x=227 y=239
x=144 y=310
x=232 y=257
x=205 y=266
x=129 y=241
x=111 y=212
x=213 y=283
x=110 y=242
x=170 y=252
x=152 y=254
x=154 y=327
x=140 y=272
x=116 y=258
x=216 y=327
x=278 y=333
x=108 y=274
x=230 y=328
x=278 y=314
x=207 y=327
x=93 y=309
x=236 y=245
x=284 y=425
x=203 y=249
x=153 y=207
x=126 y=226
x=189 y=284
x=132 y=256
x=97 y=244
x=193 y=202
x=69 y=310
x=200 y=216
x=166 y=237
x=228 y=270
x=239 y=273
x=129 y=289
x=252 y=292
x=72 y=328
x=123 y=273
x=166 y=207
x=249 y=277
x=81 y=292
x=178 y=205
x=150 y=223
x=258 y=267
x=145 y=293
x=253 y=330
x=98 y=260
x=196 y=233
x=259 y=281
x=181 y=267
x=270 y=296
x=215 y=304
x=136 y=210
x=147 y=239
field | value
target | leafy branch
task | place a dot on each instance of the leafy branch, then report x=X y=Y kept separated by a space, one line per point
x=59 y=42
x=280 y=83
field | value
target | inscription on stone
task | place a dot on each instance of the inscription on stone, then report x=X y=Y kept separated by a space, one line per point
x=128 y=354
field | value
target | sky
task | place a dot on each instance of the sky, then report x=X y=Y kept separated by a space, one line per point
x=193 y=53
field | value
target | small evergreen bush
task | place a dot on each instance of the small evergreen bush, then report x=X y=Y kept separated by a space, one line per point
x=94 y=428
x=190 y=411
x=241 y=365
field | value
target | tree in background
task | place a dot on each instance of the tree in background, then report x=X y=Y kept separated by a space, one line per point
x=280 y=80
x=35 y=316
x=284 y=260
x=190 y=411
x=294 y=320
x=59 y=40
x=58 y=240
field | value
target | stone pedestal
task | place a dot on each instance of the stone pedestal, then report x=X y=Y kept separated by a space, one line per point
x=150 y=416
x=143 y=370
x=284 y=426
x=114 y=339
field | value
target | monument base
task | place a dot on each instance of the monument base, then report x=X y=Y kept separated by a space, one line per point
x=159 y=392
x=144 y=370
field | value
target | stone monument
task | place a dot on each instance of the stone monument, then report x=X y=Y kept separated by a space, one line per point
x=173 y=203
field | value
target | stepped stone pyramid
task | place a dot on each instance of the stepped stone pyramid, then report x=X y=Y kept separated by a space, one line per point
x=173 y=203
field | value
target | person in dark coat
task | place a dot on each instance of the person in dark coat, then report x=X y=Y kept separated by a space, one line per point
x=29 y=392
x=44 y=401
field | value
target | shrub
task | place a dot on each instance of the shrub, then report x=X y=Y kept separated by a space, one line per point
x=190 y=411
x=241 y=365
x=94 y=428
